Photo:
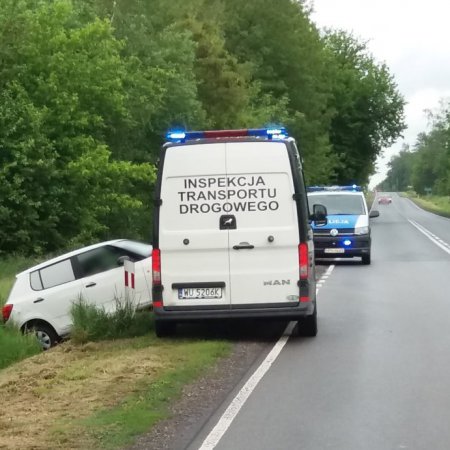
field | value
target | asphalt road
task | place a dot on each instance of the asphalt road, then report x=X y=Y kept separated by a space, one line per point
x=377 y=376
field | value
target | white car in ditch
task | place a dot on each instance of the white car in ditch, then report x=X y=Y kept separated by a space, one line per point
x=42 y=296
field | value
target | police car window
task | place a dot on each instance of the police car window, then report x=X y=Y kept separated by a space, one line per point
x=339 y=204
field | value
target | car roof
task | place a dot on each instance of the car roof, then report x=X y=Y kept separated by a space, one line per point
x=336 y=193
x=70 y=254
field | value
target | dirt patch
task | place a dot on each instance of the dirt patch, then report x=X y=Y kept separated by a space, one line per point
x=66 y=384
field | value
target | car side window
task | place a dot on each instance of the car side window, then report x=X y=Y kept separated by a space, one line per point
x=54 y=275
x=98 y=260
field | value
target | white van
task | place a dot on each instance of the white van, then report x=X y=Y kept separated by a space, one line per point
x=231 y=234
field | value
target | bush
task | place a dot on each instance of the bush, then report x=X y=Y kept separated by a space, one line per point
x=15 y=346
x=93 y=323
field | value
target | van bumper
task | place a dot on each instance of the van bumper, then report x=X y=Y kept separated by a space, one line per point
x=269 y=311
x=360 y=245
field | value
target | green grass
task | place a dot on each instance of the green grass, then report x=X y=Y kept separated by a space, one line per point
x=433 y=203
x=15 y=346
x=116 y=427
x=91 y=323
x=9 y=267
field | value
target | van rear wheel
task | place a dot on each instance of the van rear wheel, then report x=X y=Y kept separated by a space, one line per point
x=307 y=326
x=164 y=329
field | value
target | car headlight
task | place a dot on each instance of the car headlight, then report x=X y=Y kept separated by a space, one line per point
x=362 y=230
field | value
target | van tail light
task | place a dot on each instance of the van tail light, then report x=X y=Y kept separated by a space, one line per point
x=156 y=275
x=6 y=312
x=156 y=266
x=303 y=260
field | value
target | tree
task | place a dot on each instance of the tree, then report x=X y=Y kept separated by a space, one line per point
x=62 y=88
x=368 y=109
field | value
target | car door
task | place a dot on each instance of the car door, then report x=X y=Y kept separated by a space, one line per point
x=56 y=289
x=264 y=264
x=102 y=277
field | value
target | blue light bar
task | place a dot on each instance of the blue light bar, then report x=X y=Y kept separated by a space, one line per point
x=353 y=188
x=266 y=133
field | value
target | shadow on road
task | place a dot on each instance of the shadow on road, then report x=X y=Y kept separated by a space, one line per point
x=241 y=330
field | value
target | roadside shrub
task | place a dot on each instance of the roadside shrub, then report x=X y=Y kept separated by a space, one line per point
x=15 y=346
x=93 y=323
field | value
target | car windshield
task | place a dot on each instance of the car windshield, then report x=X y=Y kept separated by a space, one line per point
x=339 y=204
x=138 y=248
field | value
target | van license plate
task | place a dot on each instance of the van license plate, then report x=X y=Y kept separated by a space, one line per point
x=335 y=250
x=200 y=293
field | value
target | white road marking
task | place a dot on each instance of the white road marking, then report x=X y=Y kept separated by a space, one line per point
x=237 y=403
x=432 y=237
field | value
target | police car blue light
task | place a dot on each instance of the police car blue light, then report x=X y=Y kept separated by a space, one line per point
x=352 y=188
x=347 y=242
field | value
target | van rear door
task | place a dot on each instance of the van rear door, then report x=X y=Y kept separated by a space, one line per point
x=264 y=265
x=194 y=250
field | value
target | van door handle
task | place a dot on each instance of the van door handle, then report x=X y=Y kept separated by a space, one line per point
x=91 y=284
x=243 y=246
x=38 y=300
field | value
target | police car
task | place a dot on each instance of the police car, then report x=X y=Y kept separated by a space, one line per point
x=347 y=232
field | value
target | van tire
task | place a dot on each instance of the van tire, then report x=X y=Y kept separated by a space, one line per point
x=365 y=259
x=164 y=329
x=307 y=326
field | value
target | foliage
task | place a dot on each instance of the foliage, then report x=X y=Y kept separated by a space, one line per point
x=425 y=168
x=92 y=323
x=62 y=94
x=89 y=87
x=15 y=346
x=368 y=107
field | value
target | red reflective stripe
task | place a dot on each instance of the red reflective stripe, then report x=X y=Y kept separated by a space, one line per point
x=126 y=278
x=132 y=281
x=157 y=304
x=304 y=299
x=225 y=133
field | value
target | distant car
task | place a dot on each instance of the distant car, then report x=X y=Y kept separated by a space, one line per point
x=384 y=200
x=42 y=296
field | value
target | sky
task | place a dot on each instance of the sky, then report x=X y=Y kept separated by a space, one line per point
x=412 y=38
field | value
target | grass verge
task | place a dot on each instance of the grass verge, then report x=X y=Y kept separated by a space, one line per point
x=9 y=267
x=99 y=395
x=91 y=323
x=436 y=204
x=14 y=346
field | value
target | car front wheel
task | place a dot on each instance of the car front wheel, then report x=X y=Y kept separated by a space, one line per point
x=365 y=259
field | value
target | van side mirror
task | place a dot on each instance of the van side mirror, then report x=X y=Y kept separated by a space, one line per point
x=373 y=214
x=319 y=215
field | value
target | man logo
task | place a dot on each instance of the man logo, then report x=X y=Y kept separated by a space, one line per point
x=276 y=282
x=334 y=232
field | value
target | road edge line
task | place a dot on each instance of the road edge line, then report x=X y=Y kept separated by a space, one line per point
x=429 y=235
x=216 y=434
